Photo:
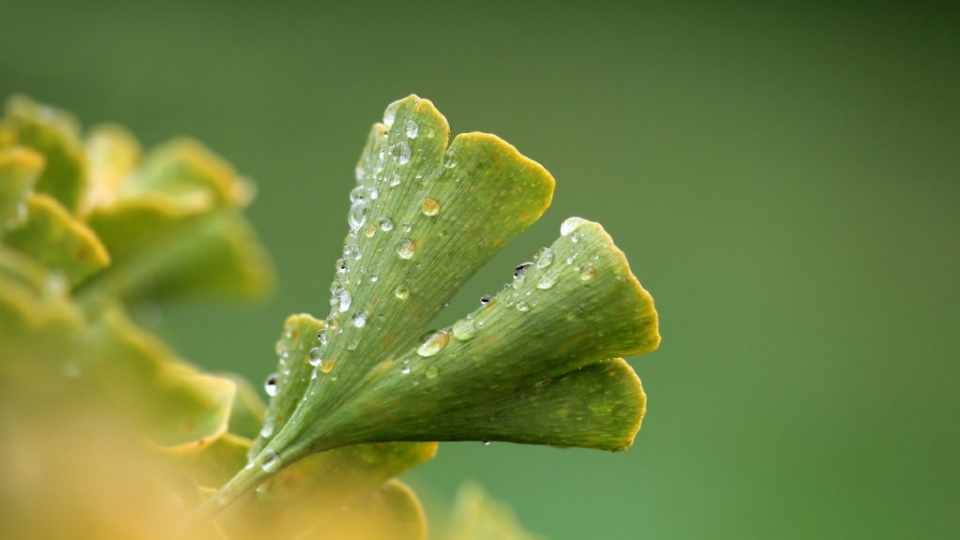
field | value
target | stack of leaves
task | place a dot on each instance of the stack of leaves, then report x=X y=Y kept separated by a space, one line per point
x=93 y=230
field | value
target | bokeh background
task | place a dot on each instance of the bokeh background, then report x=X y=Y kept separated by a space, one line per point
x=785 y=180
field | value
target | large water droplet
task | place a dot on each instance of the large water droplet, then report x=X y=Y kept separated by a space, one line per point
x=390 y=114
x=432 y=372
x=271 y=461
x=358 y=215
x=464 y=330
x=570 y=225
x=547 y=280
x=406 y=248
x=450 y=159
x=270 y=385
x=360 y=319
x=412 y=129
x=402 y=292
x=433 y=343
x=400 y=152
x=587 y=272
x=523 y=306
x=430 y=206
x=315 y=356
x=519 y=270
x=386 y=224
x=357 y=194
x=341 y=300
x=351 y=251
x=485 y=299
x=544 y=257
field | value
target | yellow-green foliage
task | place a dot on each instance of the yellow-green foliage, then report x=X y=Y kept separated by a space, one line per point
x=107 y=429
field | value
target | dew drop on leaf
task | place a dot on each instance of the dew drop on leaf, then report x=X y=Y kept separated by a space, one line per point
x=570 y=225
x=450 y=159
x=395 y=180
x=485 y=299
x=401 y=152
x=547 y=280
x=413 y=129
x=271 y=385
x=271 y=461
x=544 y=257
x=523 y=306
x=519 y=270
x=432 y=372
x=370 y=231
x=464 y=330
x=390 y=114
x=356 y=194
x=430 y=206
x=315 y=356
x=358 y=215
x=402 y=292
x=587 y=272
x=406 y=248
x=386 y=224
x=433 y=343
x=360 y=319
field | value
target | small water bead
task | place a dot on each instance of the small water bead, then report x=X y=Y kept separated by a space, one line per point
x=433 y=343
x=406 y=248
x=523 y=306
x=544 y=257
x=547 y=280
x=328 y=366
x=322 y=336
x=315 y=356
x=519 y=270
x=450 y=159
x=351 y=251
x=570 y=225
x=357 y=194
x=267 y=430
x=374 y=278
x=271 y=461
x=401 y=152
x=390 y=114
x=360 y=319
x=386 y=224
x=485 y=299
x=432 y=372
x=341 y=264
x=413 y=129
x=358 y=172
x=374 y=193
x=402 y=292
x=570 y=259
x=358 y=215
x=430 y=206
x=352 y=346
x=270 y=385
x=587 y=272
x=370 y=230
x=464 y=330
x=395 y=180
x=407 y=226
x=341 y=300
x=486 y=443
x=405 y=370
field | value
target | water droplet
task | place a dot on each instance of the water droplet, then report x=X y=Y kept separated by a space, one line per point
x=315 y=356
x=544 y=257
x=486 y=443
x=358 y=215
x=575 y=238
x=341 y=300
x=359 y=172
x=570 y=259
x=374 y=278
x=450 y=159
x=390 y=114
x=271 y=385
x=341 y=264
x=402 y=292
x=405 y=370
x=351 y=251
x=430 y=206
x=518 y=281
x=464 y=330
x=547 y=280
x=401 y=152
x=395 y=180
x=356 y=194
x=386 y=224
x=587 y=272
x=432 y=372
x=519 y=270
x=407 y=226
x=433 y=343
x=406 y=248
x=360 y=319
x=374 y=193
x=523 y=306
x=485 y=299
x=271 y=461
x=327 y=366
x=412 y=129
x=570 y=225
x=266 y=431
x=352 y=346
x=370 y=230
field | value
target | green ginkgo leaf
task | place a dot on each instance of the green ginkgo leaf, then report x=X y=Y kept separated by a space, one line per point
x=19 y=170
x=113 y=154
x=56 y=135
x=54 y=237
x=537 y=364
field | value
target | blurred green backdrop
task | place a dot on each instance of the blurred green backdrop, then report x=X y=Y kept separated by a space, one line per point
x=784 y=179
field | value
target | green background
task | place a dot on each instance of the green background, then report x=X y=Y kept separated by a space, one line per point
x=785 y=180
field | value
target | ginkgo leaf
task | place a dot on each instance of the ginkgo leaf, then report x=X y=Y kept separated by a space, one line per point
x=476 y=516
x=54 y=237
x=56 y=135
x=19 y=170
